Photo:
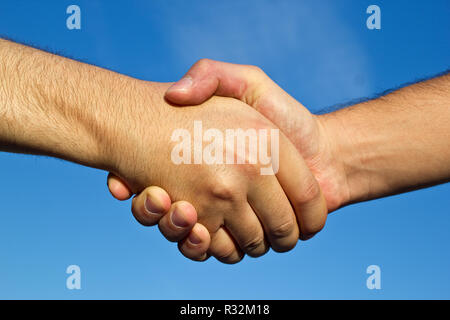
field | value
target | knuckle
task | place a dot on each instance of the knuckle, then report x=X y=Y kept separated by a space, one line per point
x=283 y=230
x=257 y=70
x=225 y=189
x=286 y=246
x=309 y=193
x=203 y=64
x=255 y=247
x=258 y=73
x=310 y=230
x=228 y=255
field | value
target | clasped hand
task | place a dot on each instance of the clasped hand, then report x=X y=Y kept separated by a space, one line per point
x=223 y=210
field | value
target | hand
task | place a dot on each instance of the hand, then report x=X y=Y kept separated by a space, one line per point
x=251 y=85
x=220 y=192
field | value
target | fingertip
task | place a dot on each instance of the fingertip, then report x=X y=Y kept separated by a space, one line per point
x=199 y=236
x=183 y=215
x=117 y=188
x=157 y=200
x=196 y=244
x=192 y=90
x=178 y=223
x=150 y=205
x=177 y=98
x=180 y=91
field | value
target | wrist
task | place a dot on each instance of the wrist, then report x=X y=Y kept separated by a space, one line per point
x=101 y=110
x=350 y=180
x=132 y=129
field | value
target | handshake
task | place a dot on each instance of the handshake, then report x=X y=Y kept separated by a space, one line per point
x=224 y=161
x=232 y=207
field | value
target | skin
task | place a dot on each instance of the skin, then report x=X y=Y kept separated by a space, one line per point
x=54 y=106
x=396 y=143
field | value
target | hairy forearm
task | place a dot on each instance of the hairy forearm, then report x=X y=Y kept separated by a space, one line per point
x=59 y=107
x=395 y=143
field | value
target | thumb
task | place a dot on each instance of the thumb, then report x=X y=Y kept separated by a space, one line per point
x=118 y=188
x=208 y=77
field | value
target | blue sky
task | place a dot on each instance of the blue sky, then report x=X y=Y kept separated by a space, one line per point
x=54 y=214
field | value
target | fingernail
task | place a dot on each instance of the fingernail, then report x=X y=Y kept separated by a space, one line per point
x=182 y=85
x=178 y=219
x=151 y=207
x=194 y=239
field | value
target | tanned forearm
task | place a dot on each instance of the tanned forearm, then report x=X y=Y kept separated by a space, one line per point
x=395 y=143
x=51 y=105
